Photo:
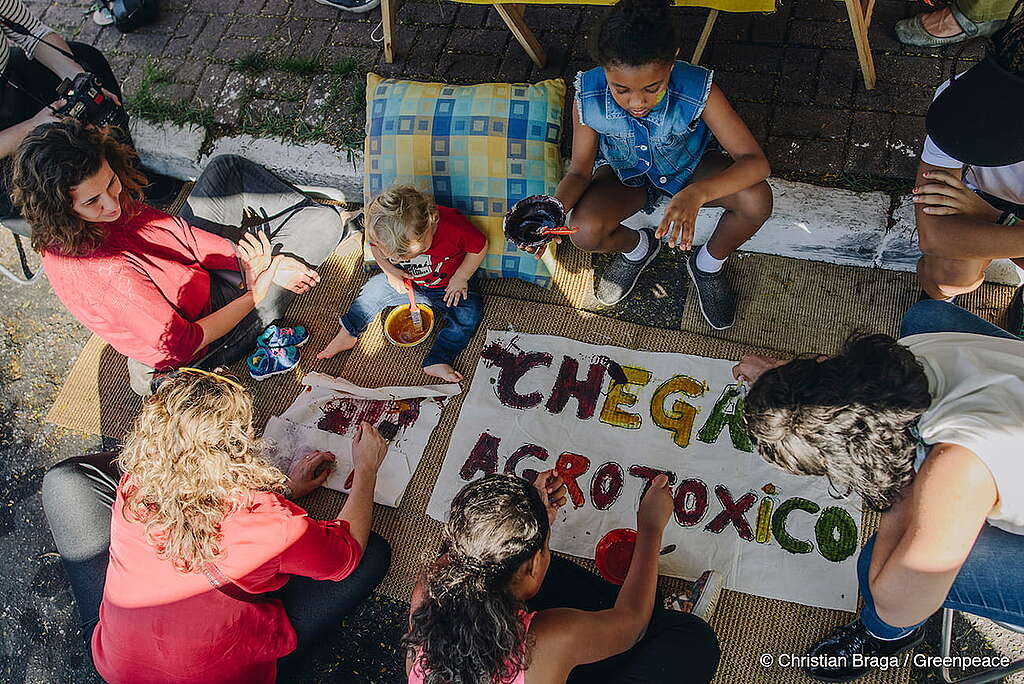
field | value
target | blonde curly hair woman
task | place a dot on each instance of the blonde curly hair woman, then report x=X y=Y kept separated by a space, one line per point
x=196 y=573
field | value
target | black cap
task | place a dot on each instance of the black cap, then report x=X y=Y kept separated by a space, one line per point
x=977 y=119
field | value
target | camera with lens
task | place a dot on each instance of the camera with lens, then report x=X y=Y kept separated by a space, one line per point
x=85 y=100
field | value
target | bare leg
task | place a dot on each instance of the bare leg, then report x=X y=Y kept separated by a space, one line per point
x=601 y=210
x=945 y=278
x=343 y=341
x=745 y=211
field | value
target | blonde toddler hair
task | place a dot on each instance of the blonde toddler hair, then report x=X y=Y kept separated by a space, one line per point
x=398 y=218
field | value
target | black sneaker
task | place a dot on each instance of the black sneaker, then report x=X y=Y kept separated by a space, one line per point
x=619 y=279
x=850 y=652
x=1015 y=314
x=714 y=294
x=357 y=6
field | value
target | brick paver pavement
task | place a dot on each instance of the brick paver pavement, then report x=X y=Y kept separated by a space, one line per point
x=792 y=75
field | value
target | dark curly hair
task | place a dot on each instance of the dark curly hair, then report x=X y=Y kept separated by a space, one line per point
x=53 y=159
x=468 y=629
x=635 y=33
x=847 y=417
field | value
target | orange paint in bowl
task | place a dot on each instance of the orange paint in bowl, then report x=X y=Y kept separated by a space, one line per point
x=615 y=553
x=400 y=329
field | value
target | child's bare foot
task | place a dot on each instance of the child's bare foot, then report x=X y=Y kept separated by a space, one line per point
x=341 y=342
x=443 y=371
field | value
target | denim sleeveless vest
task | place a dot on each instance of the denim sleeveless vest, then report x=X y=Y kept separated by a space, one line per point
x=666 y=145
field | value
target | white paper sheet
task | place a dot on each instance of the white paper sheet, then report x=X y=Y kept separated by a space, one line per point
x=324 y=417
x=514 y=420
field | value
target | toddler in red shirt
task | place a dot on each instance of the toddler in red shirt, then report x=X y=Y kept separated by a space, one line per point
x=436 y=248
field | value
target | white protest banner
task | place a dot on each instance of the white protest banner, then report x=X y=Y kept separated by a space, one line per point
x=610 y=419
x=327 y=412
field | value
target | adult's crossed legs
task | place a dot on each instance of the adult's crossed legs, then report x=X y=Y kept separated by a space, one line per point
x=77 y=495
x=677 y=647
x=317 y=607
x=296 y=225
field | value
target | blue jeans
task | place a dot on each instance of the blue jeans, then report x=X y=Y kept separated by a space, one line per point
x=987 y=585
x=460 y=321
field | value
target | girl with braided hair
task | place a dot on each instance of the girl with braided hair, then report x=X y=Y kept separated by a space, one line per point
x=646 y=127
x=496 y=606
x=969 y=199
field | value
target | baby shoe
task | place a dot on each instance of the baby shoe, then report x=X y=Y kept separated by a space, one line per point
x=265 y=362
x=276 y=336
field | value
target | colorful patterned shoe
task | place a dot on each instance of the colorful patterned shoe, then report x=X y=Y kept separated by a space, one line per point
x=266 y=362
x=275 y=336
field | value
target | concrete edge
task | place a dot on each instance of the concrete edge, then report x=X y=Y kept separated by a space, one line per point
x=811 y=222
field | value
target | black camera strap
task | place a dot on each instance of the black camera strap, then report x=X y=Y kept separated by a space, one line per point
x=21 y=30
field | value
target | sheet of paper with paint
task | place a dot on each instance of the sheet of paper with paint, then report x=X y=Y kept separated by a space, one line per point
x=609 y=420
x=327 y=412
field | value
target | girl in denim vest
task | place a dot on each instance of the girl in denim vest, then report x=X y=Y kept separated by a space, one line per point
x=644 y=127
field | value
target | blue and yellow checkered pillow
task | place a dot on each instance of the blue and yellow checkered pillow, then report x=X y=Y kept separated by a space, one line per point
x=478 y=149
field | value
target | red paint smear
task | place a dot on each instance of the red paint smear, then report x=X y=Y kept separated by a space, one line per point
x=342 y=416
x=614 y=554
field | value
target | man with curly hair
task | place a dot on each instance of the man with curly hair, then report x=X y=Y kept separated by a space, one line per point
x=929 y=430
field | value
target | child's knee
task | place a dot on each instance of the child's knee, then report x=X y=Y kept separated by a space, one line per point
x=756 y=203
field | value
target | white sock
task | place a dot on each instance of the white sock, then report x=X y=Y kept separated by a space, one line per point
x=708 y=263
x=640 y=251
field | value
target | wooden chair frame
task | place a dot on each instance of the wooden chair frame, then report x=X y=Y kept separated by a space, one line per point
x=859 y=11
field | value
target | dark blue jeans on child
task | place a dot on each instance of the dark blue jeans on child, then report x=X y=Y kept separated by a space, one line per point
x=987 y=585
x=460 y=321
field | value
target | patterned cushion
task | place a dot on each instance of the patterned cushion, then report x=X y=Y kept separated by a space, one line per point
x=477 y=148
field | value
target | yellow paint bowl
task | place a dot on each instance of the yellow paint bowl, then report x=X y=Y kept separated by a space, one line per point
x=401 y=331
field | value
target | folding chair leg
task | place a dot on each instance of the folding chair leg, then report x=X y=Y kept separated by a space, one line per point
x=860 y=18
x=947 y=641
x=512 y=15
x=387 y=13
x=702 y=42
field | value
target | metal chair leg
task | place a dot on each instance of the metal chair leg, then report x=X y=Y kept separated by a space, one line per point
x=947 y=641
x=985 y=677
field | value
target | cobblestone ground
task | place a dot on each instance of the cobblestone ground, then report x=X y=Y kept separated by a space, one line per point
x=792 y=75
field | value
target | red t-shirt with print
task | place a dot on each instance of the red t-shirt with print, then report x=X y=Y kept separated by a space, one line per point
x=454 y=238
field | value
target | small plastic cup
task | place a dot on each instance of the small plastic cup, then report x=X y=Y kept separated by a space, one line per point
x=526 y=220
x=398 y=325
x=615 y=553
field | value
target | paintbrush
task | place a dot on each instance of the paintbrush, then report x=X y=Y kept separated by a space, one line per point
x=561 y=230
x=388 y=431
x=414 y=311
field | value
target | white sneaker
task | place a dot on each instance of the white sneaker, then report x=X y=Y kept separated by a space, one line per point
x=357 y=6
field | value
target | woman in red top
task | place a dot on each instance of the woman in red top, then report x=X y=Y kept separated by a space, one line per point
x=166 y=291
x=207 y=572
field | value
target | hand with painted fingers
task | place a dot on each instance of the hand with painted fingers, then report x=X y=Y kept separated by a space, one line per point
x=293 y=275
x=552 y=492
x=680 y=220
x=309 y=472
x=655 y=507
x=750 y=368
x=368 y=450
x=457 y=291
x=944 y=194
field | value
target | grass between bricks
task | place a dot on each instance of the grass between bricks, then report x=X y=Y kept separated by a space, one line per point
x=339 y=120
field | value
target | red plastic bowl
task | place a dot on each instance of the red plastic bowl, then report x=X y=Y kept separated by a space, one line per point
x=614 y=554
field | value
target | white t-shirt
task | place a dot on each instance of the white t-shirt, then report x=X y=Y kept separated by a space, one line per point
x=1005 y=182
x=977 y=388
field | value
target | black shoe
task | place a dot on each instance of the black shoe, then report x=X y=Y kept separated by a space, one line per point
x=357 y=6
x=619 y=279
x=714 y=294
x=1015 y=314
x=850 y=652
